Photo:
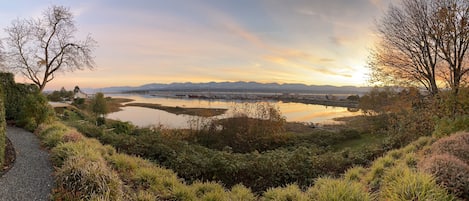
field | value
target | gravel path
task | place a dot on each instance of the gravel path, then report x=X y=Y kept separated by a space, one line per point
x=30 y=178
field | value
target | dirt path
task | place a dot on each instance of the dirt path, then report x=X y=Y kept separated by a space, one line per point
x=30 y=178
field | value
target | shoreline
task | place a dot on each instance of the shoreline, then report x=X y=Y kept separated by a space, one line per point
x=201 y=112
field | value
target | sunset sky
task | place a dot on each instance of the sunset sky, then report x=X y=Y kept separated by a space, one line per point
x=321 y=42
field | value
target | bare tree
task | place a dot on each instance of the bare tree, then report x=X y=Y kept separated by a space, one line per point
x=424 y=42
x=39 y=48
x=452 y=24
x=407 y=53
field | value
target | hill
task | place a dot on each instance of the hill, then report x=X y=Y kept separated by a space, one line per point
x=238 y=87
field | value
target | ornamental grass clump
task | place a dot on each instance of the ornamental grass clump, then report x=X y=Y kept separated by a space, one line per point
x=289 y=193
x=401 y=184
x=83 y=179
x=338 y=190
x=355 y=173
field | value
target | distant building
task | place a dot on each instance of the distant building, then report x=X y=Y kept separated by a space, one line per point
x=77 y=93
x=80 y=95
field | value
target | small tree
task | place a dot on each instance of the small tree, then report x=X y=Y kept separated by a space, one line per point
x=38 y=48
x=99 y=107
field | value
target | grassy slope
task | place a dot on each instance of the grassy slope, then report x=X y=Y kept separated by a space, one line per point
x=116 y=176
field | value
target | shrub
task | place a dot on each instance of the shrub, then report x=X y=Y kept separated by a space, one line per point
x=401 y=183
x=448 y=126
x=289 y=193
x=122 y=127
x=450 y=172
x=336 y=189
x=2 y=127
x=456 y=145
x=83 y=179
x=72 y=136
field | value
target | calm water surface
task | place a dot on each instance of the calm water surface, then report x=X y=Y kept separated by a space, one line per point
x=295 y=112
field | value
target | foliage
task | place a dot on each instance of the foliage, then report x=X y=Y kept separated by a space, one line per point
x=405 y=115
x=450 y=172
x=448 y=160
x=300 y=162
x=61 y=95
x=25 y=104
x=121 y=127
x=456 y=145
x=447 y=126
x=35 y=111
x=2 y=127
x=99 y=107
x=249 y=128
x=377 y=100
x=87 y=170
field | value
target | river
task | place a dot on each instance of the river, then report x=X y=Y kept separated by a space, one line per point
x=293 y=112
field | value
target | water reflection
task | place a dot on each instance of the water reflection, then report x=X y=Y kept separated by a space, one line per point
x=298 y=112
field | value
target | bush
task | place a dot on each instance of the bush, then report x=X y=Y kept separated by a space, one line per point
x=24 y=103
x=289 y=193
x=450 y=172
x=82 y=179
x=2 y=127
x=336 y=189
x=401 y=183
x=35 y=111
x=447 y=126
x=456 y=145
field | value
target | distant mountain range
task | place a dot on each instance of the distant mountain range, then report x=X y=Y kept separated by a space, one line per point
x=236 y=87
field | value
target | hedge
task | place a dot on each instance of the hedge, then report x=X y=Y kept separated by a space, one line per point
x=24 y=103
x=2 y=127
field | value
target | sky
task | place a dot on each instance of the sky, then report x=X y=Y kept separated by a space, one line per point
x=314 y=42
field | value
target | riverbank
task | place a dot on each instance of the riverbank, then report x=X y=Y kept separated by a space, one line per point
x=201 y=112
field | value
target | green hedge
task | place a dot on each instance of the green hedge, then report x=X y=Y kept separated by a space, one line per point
x=2 y=127
x=24 y=103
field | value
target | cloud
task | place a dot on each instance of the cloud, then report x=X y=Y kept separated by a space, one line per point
x=339 y=40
